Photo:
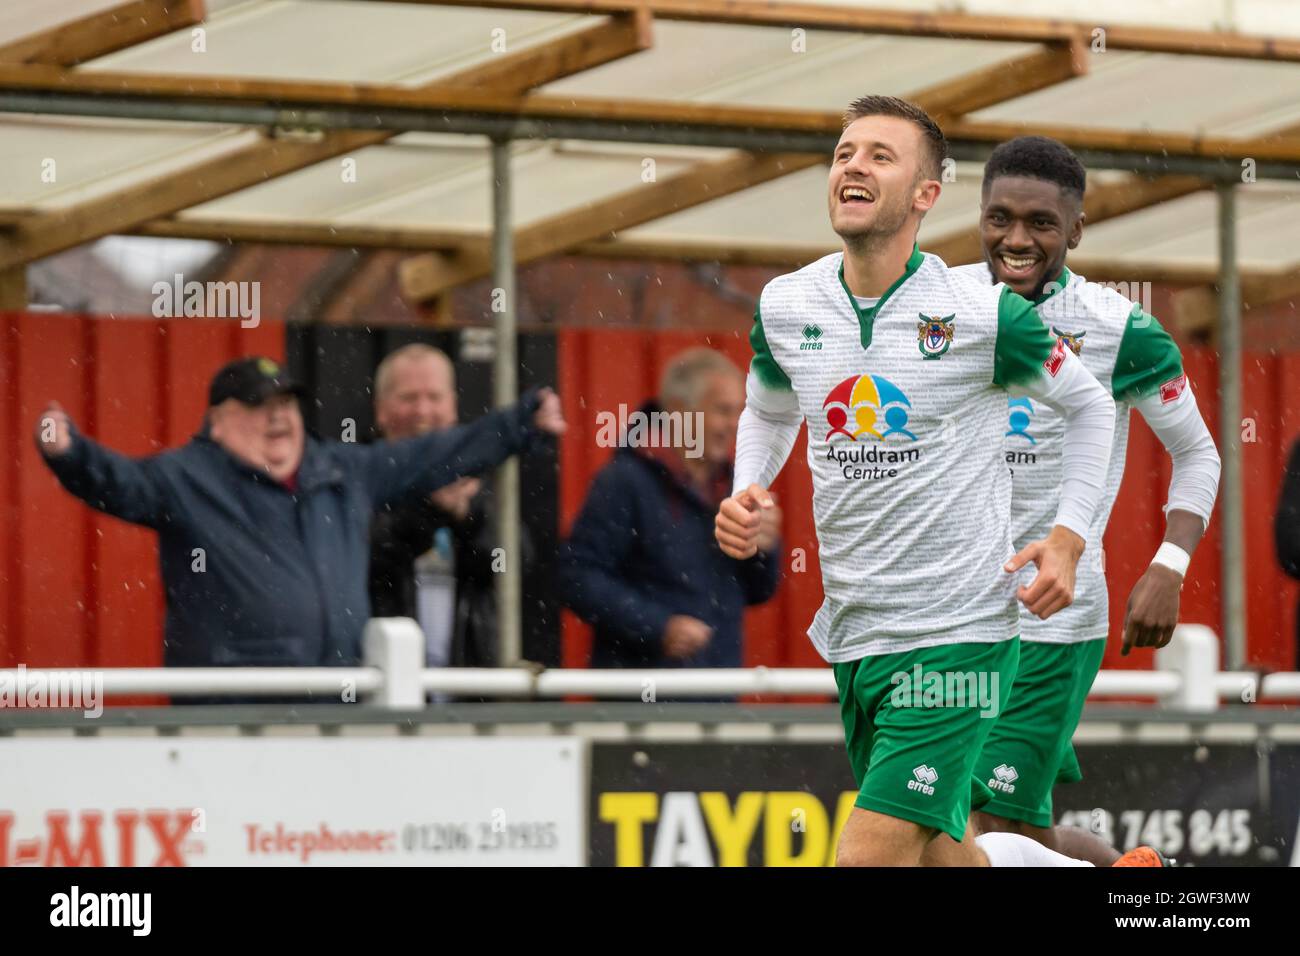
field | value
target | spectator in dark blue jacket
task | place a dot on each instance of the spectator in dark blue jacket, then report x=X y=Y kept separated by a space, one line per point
x=641 y=564
x=263 y=532
x=1286 y=526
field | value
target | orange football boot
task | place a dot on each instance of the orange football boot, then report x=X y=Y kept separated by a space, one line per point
x=1143 y=856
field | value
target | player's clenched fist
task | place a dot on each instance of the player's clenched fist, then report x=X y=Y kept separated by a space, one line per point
x=53 y=431
x=740 y=520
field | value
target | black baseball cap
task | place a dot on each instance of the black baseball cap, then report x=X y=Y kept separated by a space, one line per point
x=251 y=381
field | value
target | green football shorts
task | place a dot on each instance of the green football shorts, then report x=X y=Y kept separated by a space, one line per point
x=1029 y=750
x=915 y=723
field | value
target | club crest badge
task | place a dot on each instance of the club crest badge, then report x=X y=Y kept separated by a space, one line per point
x=934 y=334
x=1071 y=340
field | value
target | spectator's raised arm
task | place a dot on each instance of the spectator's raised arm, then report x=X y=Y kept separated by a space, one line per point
x=106 y=480
x=420 y=465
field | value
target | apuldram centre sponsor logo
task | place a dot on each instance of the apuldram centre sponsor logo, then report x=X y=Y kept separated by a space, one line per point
x=867 y=418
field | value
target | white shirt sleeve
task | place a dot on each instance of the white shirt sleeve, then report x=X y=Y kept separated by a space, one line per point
x=1194 y=484
x=1089 y=413
x=769 y=426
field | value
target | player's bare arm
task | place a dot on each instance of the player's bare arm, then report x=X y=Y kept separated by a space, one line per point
x=1152 y=611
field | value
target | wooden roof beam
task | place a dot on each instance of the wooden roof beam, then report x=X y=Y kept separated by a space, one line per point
x=940 y=25
x=1100 y=202
x=128 y=209
x=1007 y=80
x=425 y=277
x=99 y=34
x=1196 y=310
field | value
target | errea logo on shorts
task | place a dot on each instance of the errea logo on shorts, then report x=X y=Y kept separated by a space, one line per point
x=1004 y=778
x=925 y=778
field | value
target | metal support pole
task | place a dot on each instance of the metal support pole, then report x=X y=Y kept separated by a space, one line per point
x=505 y=391
x=1230 y=491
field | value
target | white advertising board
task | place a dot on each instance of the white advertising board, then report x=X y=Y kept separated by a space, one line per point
x=334 y=801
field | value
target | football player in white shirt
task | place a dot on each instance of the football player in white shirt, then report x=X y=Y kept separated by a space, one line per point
x=1031 y=216
x=901 y=368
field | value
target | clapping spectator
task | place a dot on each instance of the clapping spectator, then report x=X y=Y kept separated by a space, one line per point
x=432 y=557
x=641 y=564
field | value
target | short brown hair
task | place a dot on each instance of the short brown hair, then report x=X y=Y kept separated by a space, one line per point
x=935 y=142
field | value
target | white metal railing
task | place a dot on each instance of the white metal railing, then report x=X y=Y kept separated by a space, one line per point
x=1187 y=677
x=1116 y=683
x=216 y=681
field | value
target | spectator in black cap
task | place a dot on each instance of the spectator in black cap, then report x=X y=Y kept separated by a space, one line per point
x=263 y=531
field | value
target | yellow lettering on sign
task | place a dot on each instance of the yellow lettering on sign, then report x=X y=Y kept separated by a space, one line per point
x=629 y=812
x=732 y=832
x=778 y=834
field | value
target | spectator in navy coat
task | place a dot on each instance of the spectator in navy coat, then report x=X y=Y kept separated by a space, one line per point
x=1286 y=527
x=263 y=531
x=641 y=564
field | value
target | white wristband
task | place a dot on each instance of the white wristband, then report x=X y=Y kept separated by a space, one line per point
x=1172 y=557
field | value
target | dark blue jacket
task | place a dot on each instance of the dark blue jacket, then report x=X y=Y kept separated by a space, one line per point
x=643 y=550
x=281 y=577
x=1286 y=527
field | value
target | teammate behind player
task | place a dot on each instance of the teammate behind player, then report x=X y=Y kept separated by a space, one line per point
x=1031 y=216
x=899 y=367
